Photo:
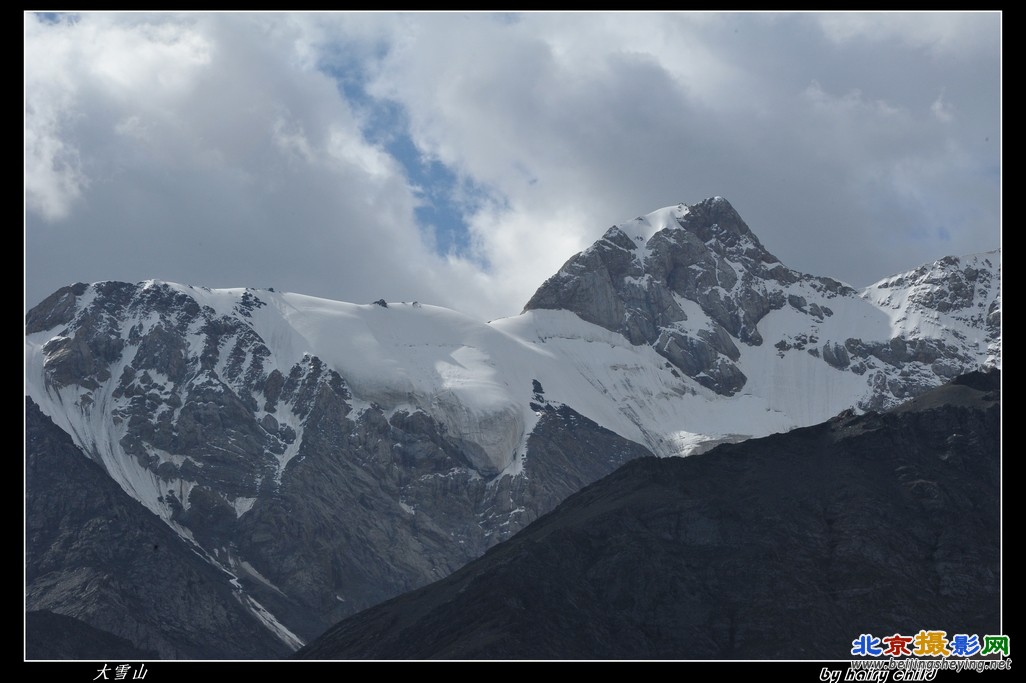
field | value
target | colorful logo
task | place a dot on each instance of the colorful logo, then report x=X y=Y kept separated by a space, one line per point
x=930 y=644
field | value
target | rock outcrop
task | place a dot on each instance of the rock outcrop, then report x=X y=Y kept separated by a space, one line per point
x=94 y=554
x=694 y=283
x=326 y=456
x=785 y=547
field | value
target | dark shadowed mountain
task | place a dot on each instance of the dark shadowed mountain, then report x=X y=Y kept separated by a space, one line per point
x=307 y=459
x=97 y=555
x=55 y=636
x=788 y=546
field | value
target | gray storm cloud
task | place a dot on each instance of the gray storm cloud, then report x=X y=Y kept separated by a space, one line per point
x=221 y=149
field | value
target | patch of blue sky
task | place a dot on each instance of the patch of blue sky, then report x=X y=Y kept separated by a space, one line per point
x=57 y=17
x=445 y=196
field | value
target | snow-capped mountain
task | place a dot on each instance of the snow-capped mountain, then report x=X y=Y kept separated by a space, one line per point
x=329 y=455
x=696 y=285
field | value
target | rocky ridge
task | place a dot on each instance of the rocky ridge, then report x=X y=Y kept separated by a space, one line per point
x=317 y=510
x=784 y=547
x=694 y=282
x=328 y=456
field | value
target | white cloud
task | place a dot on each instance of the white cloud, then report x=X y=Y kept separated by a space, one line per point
x=210 y=157
x=53 y=171
x=231 y=149
x=943 y=109
x=941 y=34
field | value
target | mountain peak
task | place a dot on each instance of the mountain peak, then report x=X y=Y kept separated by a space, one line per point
x=717 y=218
x=695 y=283
x=323 y=456
x=710 y=219
x=646 y=276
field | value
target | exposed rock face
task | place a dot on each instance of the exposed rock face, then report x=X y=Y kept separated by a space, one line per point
x=694 y=282
x=788 y=547
x=317 y=509
x=704 y=259
x=95 y=554
x=836 y=355
x=382 y=506
x=330 y=455
x=567 y=452
x=950 y=314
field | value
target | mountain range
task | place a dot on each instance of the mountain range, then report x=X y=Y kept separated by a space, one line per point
x=783 y=547
x=290 y=461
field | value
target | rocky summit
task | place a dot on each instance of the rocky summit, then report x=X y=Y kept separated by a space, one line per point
x=694 y=282
x=320 y=457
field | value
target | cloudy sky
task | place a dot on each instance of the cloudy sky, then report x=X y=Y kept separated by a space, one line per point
x=460 y=159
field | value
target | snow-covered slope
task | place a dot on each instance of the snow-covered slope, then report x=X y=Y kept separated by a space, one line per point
x=696 y=285
x=654 y=363
x=957 y=299
x=220 y=410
